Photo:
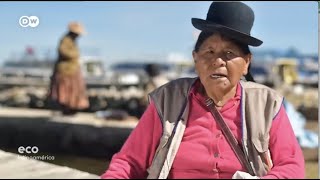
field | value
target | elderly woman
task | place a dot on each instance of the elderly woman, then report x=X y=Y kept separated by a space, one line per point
x=67 y=87
x=216 y=125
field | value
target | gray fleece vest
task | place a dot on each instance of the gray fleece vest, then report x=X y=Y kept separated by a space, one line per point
x=259 y=106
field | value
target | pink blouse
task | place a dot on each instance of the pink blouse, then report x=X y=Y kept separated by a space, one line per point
x=204 y=152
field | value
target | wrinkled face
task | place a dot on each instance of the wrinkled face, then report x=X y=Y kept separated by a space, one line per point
x=220 y=63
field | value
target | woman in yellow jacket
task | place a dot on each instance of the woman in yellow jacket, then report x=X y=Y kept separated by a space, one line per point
x=67 y=87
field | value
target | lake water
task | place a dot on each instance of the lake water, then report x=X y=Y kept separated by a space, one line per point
x=92 y=165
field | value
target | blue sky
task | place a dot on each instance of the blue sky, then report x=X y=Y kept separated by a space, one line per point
x=148 y=30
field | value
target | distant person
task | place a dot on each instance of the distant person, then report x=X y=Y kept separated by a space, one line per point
x=67 y=87
x=216 y=125
x=155 y=80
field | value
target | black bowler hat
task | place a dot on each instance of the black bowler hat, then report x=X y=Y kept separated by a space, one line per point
x=233 y=19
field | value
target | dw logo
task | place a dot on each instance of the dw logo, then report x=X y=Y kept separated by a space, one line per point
x=32 y=21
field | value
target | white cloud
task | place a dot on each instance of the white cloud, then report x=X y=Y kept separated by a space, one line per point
x=195 y=34
x=177 y=57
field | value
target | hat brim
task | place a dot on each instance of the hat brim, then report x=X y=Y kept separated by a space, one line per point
x=204 y=25
x=80 y=33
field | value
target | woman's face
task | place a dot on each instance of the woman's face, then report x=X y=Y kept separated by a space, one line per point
x=220 y=63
